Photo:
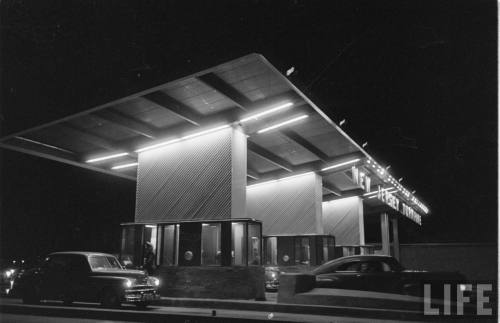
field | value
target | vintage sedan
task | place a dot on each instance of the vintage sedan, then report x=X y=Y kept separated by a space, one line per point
x=87 y=276
x=382 y=274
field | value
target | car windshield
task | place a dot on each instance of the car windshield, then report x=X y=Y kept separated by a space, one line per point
x=98 y=262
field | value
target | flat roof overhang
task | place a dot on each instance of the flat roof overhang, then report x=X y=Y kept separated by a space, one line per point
x=108 y=136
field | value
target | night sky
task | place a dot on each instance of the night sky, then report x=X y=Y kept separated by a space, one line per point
x=417 y=80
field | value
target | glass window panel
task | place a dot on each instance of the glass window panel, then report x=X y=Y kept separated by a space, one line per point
x=238 y=254
x=271 y=251
x=253 y=244
x=150 y=235
x=302 y=250
x=169 y=245
x=128 y=246
x=211 y=244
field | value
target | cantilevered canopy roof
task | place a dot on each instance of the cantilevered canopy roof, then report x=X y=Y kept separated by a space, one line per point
x=287 y=133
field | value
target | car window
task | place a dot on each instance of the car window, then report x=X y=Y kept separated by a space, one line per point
x=100 y=262
x=371 y=267
x=349 y=266
x=57 y=263
x=79 y=264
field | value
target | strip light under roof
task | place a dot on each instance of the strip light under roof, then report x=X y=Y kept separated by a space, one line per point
x=279 y=179
x=283 y=123
x=374 y=196
x=161 y=144
x=93 y=160
x=269 y=111
x=125 y=166
x=375 y=192
x=341 y=164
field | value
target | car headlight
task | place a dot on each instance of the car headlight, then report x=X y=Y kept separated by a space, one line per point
x=154 y=281
x=8 y=273
x=128 y=283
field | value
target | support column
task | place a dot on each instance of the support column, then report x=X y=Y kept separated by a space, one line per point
x=384 y=226
x=395 y=237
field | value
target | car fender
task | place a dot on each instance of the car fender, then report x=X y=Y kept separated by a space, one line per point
x=102 y=283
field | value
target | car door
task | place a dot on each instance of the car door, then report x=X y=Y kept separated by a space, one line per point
x=54 y=278
x=78 y=286
x=344 y=276
x=376 y=275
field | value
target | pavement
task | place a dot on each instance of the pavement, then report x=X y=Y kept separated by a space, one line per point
x=204 y=310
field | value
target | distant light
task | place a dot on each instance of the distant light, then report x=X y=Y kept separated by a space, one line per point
x=341 y=164
x=364 y=144
x=93 y=160
x=179 y=139
x=399 y=180
x=413 y=192
x=150 y=226
x=283 y=123
x=290 y=71
x=269 y=111
x=125 y=166
x=279 y=179
x=341 y=122
x=387 y=168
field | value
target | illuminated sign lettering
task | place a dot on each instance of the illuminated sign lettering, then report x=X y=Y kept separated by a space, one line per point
x=394 y=202
x=360 y=178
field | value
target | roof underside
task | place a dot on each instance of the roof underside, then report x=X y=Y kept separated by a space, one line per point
x=221 y=95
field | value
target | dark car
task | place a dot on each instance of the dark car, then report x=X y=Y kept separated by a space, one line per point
x=87 y=276
x=379 y=273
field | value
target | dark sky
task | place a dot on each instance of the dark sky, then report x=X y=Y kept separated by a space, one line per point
x=417 y=80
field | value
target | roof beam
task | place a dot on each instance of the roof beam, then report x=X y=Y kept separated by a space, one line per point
x=331 y=188
x=305 y=143
x=87 y=137
x=269 y=156
x=127 y=122
x=179 y=109
x=227 y=90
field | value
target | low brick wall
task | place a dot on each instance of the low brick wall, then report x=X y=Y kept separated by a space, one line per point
x=213 y=282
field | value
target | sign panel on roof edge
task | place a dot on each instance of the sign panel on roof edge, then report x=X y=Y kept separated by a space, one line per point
x=360 y=178
x=392 y=201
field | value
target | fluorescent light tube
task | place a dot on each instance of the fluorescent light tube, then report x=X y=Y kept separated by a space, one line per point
x=283 y=123
x=124 y=166
x=255 y=116
x=341 y=164
x=93 y=160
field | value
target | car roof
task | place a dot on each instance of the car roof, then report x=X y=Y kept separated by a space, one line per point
x=357 y=257
x=82 y=253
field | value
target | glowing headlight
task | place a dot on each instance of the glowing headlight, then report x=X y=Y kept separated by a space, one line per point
x=128 y=283
x=154 y=281
x=463 y=287
x=9 y=273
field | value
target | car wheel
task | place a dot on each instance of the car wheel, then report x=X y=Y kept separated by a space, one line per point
x=31 y=295
x=142 y=305
x=110 y=298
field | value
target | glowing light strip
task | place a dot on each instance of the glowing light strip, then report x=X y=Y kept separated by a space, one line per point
x=279 y=179
x=93 y=160
x=179 y=139
x=341 y=164
x=255 y=116
x=125 y=166
x=283 y=123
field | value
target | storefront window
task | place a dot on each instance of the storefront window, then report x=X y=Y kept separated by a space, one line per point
x=271 y=251
x=253 y=244
x=150 y=235
x=238 y=254
x=211 y=244
x=128 y=248
x=169 y=246
x=302 y=251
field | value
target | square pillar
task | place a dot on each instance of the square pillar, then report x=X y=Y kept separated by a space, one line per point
x=384 y=226
x=344 y=219
x=201 y=178
x=395 y=237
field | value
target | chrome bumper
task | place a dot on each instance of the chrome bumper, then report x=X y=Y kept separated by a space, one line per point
x=141 y=295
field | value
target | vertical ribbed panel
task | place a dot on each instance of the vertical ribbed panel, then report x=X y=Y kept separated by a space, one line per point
x=290 y=206
x=341 y=218
x=186 y=180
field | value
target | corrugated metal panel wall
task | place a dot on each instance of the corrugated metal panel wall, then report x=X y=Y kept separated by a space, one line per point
x=187 y=180
x=341 y=218
x=290 y=206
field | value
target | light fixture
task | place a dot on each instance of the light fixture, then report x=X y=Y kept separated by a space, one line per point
x=279 y=179
x=341 y=122
x=93 y=160
x=399 y=180
x=125 y=166
x=341 y=164
x=179 y=139
x=283 y=123
x=269 y=111
x=364 y=144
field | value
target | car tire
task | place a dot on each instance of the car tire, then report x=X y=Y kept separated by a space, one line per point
x=110 y=299
x=31 y=295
